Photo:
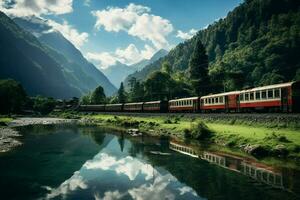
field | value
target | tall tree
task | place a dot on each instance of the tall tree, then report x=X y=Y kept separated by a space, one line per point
x=198 y=69
x=121 y=94
x=98 y=96
x=166 y=67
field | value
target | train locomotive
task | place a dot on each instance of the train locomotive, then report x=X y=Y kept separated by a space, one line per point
x=284 y=97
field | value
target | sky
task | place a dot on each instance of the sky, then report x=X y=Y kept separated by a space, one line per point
x=127 y=31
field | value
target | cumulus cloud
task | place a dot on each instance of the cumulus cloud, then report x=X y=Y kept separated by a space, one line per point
x=21 y=8
x=137 y=21
x=69 y=32
x=186 y=35
x=129 y=55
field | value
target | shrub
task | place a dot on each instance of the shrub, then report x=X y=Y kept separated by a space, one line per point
x=200 y=131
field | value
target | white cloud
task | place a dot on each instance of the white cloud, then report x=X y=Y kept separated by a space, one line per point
x=87 y=3
x=186 y=35
x=23 y=8
x=129 y=55
x=69 y=32
x=136 y=21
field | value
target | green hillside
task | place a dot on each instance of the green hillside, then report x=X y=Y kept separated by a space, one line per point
x=257 y=43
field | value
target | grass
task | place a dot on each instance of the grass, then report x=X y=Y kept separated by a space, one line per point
x=5 y=120
x=276 y=141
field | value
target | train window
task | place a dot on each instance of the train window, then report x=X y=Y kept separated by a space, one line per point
x=247 y=97
x=217 y=100
x=221 y=99
x=242 y=97
x=257 y=95
x=277 y=93
x=264 y=94
x=213 y=100
x=252 y=96
x=270 y=94
x=209 y=101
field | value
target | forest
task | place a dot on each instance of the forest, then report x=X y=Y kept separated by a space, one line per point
x=256 y=44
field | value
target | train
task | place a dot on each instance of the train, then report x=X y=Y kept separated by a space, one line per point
x=283 y=97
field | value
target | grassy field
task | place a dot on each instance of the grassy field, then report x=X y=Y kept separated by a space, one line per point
x=277 y=141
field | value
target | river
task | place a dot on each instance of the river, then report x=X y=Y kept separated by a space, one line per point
x=69 y=162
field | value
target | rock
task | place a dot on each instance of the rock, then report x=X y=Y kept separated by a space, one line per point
x=256 y=150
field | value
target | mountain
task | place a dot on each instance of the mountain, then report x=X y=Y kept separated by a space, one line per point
x=142 y=66
x=26 y=60
x=118 y=72
x=78 y=71
x=258 y=43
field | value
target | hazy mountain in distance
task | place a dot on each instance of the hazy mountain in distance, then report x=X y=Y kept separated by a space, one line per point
x=142 y=65
x=118 y=72
x=78 y=71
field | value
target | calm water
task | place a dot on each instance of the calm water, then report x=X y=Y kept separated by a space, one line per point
x=90 y=163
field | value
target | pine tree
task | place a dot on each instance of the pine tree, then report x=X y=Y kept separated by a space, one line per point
x=98 y=96
x=198 y=69
x=121 y=94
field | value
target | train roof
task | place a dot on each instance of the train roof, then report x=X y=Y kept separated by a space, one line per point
x=135 y=103
x=280 y=85
x=221 y=94
x=93 y=105
x=189 y=98
x=151 y=102
x=116 y=104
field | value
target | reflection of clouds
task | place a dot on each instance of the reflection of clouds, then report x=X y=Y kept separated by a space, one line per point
x=72 y=184
x=109 y=195
x=186 y=189
x=157 y=190
x=151 y=184
x=128 y=166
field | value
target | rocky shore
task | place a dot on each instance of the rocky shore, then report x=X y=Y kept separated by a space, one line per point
x=9 y=137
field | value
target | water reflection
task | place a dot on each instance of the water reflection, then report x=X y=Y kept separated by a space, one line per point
x=248 y=167
x=115 y=174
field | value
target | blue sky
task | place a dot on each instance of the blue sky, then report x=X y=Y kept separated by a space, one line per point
x=107 y=31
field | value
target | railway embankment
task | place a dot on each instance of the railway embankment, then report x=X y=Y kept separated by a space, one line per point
x=260 y=135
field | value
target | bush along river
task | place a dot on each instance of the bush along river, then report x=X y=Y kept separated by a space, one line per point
x=73 y=162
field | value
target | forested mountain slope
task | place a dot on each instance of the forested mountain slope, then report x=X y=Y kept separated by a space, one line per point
x=26 y=60
x=78 y=71
x=257 y=43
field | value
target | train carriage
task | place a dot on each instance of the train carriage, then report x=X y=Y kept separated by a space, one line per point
x=114 y=107
x=283 y=97
x=93 y=108
x=227 y=102
x=133 y=107
x=155 y=106
x=184 y=105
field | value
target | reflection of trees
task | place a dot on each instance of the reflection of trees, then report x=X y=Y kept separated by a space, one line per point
x=121 y=142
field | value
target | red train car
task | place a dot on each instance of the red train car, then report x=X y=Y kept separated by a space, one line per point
x=184 y=105
x=283 y=97
x=155 y=106
x=227 y=101
x=94 y=108
x=133 y=107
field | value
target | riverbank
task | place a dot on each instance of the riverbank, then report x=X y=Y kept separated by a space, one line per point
x=9 y=136
x=249 y=137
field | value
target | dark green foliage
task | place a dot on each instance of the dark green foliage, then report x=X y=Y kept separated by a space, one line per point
x=198 y=69
x=121 y=94
x=12 y=96
x=43 y=105
x=200 y=131
x=157 y=86
x=258 y=43
x=98 y=96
